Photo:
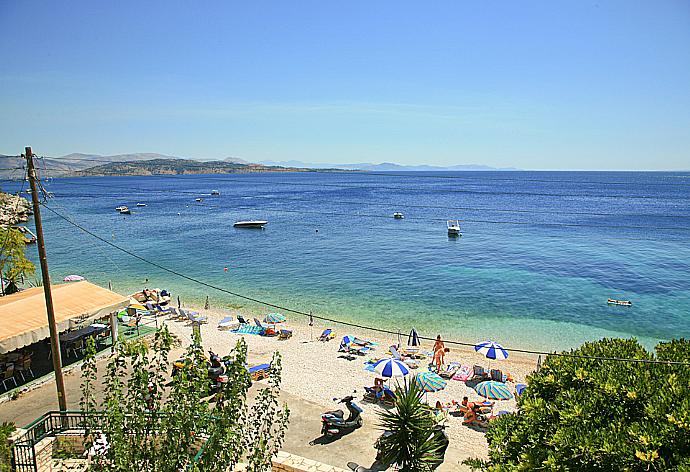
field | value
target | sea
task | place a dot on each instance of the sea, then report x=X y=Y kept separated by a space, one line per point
x=540 y=252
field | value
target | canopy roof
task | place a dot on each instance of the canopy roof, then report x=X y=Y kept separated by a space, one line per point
x=23 y=318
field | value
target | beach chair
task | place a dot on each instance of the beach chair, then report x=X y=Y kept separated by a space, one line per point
x=450 y=370
x=194 y=317
x=241 y=320
x=497 y=375
x=348 y=348
x=285 y=334
x=479 y=374
x=260 y=371
x=7 y=376
x=327 y=335
x=227 y=323
x=411 y=363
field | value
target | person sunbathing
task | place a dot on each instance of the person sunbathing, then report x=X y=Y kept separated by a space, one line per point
x=474 y=417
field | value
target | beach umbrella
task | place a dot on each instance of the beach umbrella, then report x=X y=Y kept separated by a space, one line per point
x=413 y=338
x=391 y=368
x=73 y=278
x=138 y=306
x=207 y=305
x=179 y=303
x=491 y=350
x=274 y=318
x=430 y=381
x=493 y=390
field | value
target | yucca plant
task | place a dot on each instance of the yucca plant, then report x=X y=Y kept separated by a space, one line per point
x=411 y=443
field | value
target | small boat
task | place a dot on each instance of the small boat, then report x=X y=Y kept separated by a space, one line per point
x=141 y=204
x=612 y=301
x=125 y=211
x=250 y=224
x=215 y=192
x=29 y=236
x=453 y=228
x=120 y=208
x=199 y=199
x=398 y=215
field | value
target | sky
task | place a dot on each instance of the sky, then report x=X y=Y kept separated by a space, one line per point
x=531 y=84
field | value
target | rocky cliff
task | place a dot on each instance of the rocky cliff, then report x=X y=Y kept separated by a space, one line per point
x=13 y=209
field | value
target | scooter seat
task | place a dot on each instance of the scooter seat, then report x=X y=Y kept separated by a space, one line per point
x=336 y=413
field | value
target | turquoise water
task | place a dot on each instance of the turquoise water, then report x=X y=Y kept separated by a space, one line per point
x=540 y=254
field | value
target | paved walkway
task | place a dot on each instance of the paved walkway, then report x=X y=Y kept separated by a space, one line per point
x=302 y=438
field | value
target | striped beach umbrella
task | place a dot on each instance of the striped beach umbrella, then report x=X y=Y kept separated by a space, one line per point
x=430 y=381
x=391 y=368
x=493 y=390
x=274 y=318
x=413 y=338
x=491 y=350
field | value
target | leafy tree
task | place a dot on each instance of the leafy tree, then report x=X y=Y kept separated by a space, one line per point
x=584 y=414
x=6 y=430
x=13 y=262
x=412 y=444
x=152 y=423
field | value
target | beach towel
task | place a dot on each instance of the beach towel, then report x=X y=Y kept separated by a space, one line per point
x=249 y=329
x=463 y=374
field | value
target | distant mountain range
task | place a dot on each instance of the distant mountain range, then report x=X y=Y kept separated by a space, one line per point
x=385 y=166
x=77 y=164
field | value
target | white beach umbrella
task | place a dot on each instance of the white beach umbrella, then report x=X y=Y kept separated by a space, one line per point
x=391 y=368
x=491 y=350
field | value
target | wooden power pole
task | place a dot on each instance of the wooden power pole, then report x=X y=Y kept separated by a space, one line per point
x=54 y=334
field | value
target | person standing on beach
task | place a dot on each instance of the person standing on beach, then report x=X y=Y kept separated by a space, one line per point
x=439 y=351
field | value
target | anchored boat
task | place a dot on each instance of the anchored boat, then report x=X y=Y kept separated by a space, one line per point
x=215 y=192
x=398 y=215
x=612 y=301
x=250 y=224
x=453 y=228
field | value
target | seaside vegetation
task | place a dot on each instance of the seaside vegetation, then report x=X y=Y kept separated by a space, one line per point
x=586 y=414
x=152 y=423
x=14 y=265
x=412 y=444
x=6 y=430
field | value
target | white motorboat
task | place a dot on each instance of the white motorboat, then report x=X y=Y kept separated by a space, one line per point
x=120 y=208
x=215 y=192
x=398 y=215
x=250 y=224
x=453 y=228
x=141 y=204
x=125 y=211
x=199 y=199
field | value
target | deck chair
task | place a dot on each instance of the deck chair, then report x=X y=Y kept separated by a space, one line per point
x=413 y=364
x=197 y=318
x=478 y=373
x=227 y=323
x=450 y=370
x=266 y=330
x=327 y=335
x=241 y=320
x=260 y=371
x=497 y=375
x=7 y=376
x=285 y=334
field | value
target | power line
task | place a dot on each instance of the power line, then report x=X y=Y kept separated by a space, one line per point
x=290 y=310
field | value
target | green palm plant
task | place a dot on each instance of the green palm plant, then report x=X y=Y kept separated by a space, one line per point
x=411 y=443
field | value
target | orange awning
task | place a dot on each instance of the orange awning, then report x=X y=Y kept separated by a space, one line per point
x=23 y=318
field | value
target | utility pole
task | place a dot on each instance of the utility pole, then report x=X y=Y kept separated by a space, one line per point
x=54 y=334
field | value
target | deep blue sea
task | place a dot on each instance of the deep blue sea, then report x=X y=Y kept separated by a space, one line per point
x=540 y=253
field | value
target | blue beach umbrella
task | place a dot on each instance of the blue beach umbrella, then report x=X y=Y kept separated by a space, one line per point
x=430 y=381
x=274 y=318
x=493 y=390
x=413 y=338
x=391 y=368
x=491 y=350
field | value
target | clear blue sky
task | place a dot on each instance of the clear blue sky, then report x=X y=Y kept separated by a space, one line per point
x=533 y=84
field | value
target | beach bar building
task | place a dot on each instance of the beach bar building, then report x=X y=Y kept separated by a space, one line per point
x=24 y=332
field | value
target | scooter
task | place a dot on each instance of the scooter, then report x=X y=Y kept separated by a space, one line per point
x=439 y=431
x=333 y=423
x=216 y=373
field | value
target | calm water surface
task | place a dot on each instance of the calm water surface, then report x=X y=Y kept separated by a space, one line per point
x=540 y=254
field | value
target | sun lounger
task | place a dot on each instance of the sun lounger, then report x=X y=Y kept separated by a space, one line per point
x=350 y=349
x=285 y=334
x=363 y=342
x=197 y=318
x=497 y=375
x=227 y=323
x=260 y=371
x=449 y=371
x=241 y=320
x=384 y=395
x=463 y=374
x=413 y=364
x=478 y=373
x=327 y=335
